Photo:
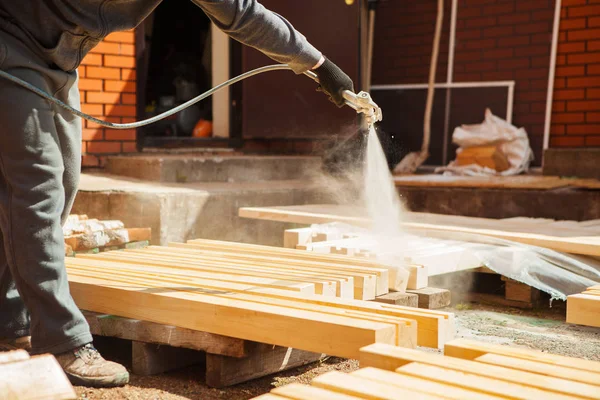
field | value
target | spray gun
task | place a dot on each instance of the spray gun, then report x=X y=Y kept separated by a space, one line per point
x=360 y=102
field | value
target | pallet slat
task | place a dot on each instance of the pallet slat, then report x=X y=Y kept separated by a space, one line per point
x=584 y=309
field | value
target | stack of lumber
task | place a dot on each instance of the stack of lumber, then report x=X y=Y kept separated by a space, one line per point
x=40 y=377
x=269 y=295
x=468 y=370
x=83 y=234
x=584 y=308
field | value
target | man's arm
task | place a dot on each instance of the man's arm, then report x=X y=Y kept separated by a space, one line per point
x=250 y=23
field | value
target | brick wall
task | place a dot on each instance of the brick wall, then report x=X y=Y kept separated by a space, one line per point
x=495 y=40
x=108 y=91
x=576 y=102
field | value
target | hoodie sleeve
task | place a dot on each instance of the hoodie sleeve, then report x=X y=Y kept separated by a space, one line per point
x=250 y=23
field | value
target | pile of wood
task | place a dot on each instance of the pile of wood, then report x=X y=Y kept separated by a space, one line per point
x=269 y=295
x=584 y=308
x=40 y=377
x=83 y=234
x=469 y=370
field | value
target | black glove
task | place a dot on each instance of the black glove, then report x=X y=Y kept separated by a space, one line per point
x=333 y=81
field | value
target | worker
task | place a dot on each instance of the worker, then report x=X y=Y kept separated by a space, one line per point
x=43 y=43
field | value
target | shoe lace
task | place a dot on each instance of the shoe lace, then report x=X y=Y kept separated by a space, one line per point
x=88 y=352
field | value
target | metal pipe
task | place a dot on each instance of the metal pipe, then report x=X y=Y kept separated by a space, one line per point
x=551 y=74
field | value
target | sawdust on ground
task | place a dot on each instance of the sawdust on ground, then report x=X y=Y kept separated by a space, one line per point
x=544 y=330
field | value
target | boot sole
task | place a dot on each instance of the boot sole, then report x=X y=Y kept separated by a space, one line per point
x=102 y=382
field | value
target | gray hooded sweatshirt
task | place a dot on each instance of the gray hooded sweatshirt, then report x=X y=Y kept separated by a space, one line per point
x=64 y=31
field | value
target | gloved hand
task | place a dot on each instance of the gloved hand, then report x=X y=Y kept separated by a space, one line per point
x=333 y=81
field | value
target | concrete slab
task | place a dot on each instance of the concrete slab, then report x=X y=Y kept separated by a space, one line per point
x=578 y=162
x=179 y=212
x=183 y=168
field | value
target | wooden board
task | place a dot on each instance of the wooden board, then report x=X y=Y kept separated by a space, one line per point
x=492 y=182
x=471 y=349
x=392 y=357
x=39 y=377
x=313 y=331
x=432 y=298
x=583 y=309
x=298 y=391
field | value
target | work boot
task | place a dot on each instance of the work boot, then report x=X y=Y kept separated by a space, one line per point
x=85 y=367
x=20 y=343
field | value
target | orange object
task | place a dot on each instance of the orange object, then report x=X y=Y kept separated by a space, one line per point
x=203 y=128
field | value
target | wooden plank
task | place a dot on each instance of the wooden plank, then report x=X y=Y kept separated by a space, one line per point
x=153 y=359
x=312 y=331
x=420 y=385
x=517 y=291
x=365 y=388
x=39 y=377
x=478 y=383
x=541 y=368
x=295 y=258
x=246 y=282
x=471 y=349
x=418 y=277
x=400 y=299
x=262 y=360
x=297 y=391
x=294 y=237
x=432 y=298
x=405 y=332
x=392 y=357
x=13 y=356
x=150 y=332
x=583 y=309
x=434 y=327
x=268 y=396
x=327 y=287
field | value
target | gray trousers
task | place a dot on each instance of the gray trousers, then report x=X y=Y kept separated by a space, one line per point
x=40 y=157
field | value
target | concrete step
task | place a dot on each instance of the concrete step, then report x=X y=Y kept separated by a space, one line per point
x=213 y=168
x=184 y=211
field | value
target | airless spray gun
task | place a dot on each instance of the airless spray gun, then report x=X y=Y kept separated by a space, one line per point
x=360 y=102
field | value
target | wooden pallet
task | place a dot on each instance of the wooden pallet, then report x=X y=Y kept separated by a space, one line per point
x=584 y=308
x=468 y=370
x=39 y=377
x=157 y=348
x=232 y=297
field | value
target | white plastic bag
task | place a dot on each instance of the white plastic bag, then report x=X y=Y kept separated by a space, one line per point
x=512 y=141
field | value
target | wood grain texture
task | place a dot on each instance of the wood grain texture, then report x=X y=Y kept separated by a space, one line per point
x=583 y=309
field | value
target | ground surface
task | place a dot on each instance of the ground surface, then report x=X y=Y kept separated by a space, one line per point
x=540 y=329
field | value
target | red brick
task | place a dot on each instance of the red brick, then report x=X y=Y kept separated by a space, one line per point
x=573 y=94
x=530 y=73
x=119 y=61
x=92 y=59
x=481 y=44
x=481 y=66
x=127 y=120
x=536 y=84
x=107 y=48
x=81 y=72
x=583 y=58
x=494 y=54
x=562 y=37
x=532 y=5
x=583 y=129
x=584 y=11
x=593 y=45
x=567 y=141
x=121 y=37
x=95 y=110
x=586 y=34
x=593 y=94
x=501 y=8
x=567 y=118
x=128 y=99
x=593 y=69
x=90 y=84
x=557 y=130
x=571 y=47
x=512 y=19
x=542 y=38
x=88 y=160
x=543 y=15
x=128 y=74
x=592 y=117
x=103 y=73
x=480 y=22
x=513 y=41
x=120 y=134
x=496 y=76
x=103 y=147
x=594 y=22
x=572 y=24
x=558 y=106
x=129 y=147
x=570 y=71
x=496 y=31
x=120 y=111
x=103 y=97
x=127 y=49
x=538 y=107
x=539 y=62
x=592 y=140
x=533 y=51
x=469 y=12
x=585 y=105
x=92 y=134
x=514 y=63
x=463 y=56
x=120 y=86
x=566 y=3
x=585 y=82
x=560 y=83
x=534 y=28
x=465 y=34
